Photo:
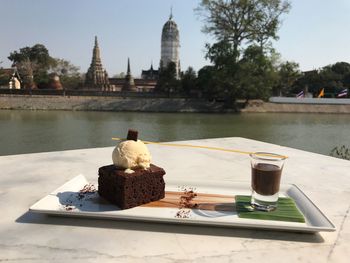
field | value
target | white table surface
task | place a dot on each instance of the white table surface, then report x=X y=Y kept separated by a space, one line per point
x=29 y=237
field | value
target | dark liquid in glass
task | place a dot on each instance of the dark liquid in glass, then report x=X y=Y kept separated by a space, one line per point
x=266 y=178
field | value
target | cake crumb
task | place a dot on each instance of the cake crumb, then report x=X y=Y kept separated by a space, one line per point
x=87 y=189
x=77 y=199
x=68 y=207
x=186 y=199
x=182 y=213
x=186 y=202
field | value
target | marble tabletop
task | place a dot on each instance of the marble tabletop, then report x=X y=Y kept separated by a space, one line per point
x=30 y=237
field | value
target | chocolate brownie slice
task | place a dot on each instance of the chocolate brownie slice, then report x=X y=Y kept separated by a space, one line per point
x=128 y=190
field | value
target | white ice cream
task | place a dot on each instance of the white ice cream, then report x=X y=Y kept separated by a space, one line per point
x=131 y=154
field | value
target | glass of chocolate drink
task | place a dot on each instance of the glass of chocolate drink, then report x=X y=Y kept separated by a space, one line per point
x=266 y=178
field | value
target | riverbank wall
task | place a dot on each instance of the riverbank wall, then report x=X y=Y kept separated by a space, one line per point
x=108 y=103
x=159 y=104
x=258 y=106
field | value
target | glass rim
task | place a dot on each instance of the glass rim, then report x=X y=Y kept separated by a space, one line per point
x=267 y=156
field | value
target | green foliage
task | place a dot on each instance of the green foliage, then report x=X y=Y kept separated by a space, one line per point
x=242 y=22
x=288 y=73
x=32 y=64
x=222 y=54
x=256 y=75
x=4 y=79
x=120 y=75
x=333 y=78
x=219 y=81
x=167 y=82
x=207 y=81
x=37 y=54
x=189 y=81
x=35 y=65
x=242 y=57
x=253 y=76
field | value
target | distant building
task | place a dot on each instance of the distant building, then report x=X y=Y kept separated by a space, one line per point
x=142 y=85
x=170 y=45
x=10 y=78
x=96 y=77
x=129 y=83
x=310 y=72
x=55 y=82
x=150 y=74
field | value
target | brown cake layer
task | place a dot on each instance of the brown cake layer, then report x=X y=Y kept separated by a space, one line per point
x=130 y=190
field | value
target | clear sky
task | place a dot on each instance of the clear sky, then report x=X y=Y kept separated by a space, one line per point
x=315 y=32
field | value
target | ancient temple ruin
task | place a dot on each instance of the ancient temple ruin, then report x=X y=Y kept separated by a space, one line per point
x=170 y=45
x=96 y=76
x=129 y=83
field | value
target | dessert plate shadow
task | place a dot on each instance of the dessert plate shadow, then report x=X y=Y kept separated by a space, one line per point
x=213 y=206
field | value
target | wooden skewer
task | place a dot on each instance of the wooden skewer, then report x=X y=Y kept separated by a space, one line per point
x=208 y=148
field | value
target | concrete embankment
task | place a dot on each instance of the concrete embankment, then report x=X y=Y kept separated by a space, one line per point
x=100 y=103
x=147 y=104
x=260 y=106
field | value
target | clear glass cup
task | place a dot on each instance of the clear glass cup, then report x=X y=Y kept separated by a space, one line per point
x=266 y=178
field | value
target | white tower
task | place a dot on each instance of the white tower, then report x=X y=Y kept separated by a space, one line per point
x=170 y=45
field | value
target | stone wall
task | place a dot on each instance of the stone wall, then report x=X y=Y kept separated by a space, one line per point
x=289 y=100
x=99 y=103
x=145 y=104
x=260 y=106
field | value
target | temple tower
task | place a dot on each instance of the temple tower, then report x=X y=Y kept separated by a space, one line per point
x=170 y=45
x=96 y=76
x=129 y=83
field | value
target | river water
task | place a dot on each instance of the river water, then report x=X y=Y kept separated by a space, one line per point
x=39 y=131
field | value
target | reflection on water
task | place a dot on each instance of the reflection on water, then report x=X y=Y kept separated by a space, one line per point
x=37 y=131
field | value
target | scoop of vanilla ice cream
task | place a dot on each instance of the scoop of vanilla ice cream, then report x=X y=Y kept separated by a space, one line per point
x=131 y=154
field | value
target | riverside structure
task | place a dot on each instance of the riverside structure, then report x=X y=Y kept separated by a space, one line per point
x=97 y=77
x=170 y=45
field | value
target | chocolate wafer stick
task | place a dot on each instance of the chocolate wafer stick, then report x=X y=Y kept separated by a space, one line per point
x=132 y=135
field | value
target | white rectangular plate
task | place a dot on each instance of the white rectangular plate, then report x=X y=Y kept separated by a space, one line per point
x=94 y=206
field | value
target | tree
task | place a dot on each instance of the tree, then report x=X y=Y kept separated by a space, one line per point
x=120 y=75
x=316 y=80
x=223 y=73
x=167 y=81
x=342 y=68
x=256 y=74
x=189 y=81
x=206 y=81
x=32 y=63
x=288 y=74
x=268 y=20
x=242 y=56
x=310 y=79
x=242 y=22
x=4 y=78
x=222 y=55
x=253 y=76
